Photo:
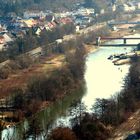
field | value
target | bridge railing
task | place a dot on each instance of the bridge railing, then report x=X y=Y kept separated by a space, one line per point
x=99 y=41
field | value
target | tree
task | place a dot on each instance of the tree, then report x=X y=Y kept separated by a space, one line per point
x=34 y=129
x=77 y=111
x=18 y=99
x=76 y=62
x=90 y=128
x=138 y=47
x=43 y=39
x=103 y=110
x=62 y=134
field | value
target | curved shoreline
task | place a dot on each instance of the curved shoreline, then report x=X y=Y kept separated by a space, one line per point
x=93 y=48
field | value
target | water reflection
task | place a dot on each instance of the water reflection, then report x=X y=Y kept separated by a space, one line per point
x=102 y=77
x=53 y=116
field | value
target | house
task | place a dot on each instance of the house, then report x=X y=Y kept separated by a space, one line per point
x=38 y=31
x=83 y=20
x=19 y=32
x=50 y=18
x=33 y=14
x=23 y=25
x=90 y=11
x=85 y=11
x=138 y=5
x=102 y=11
x=112 y=8
x=2 y=28
x=63 y=14
x=53 y=23
x=47 y=27
x=50 y=25
x=78 y=21
x=35 y=53
x=126 y=8
x=114 y=28
x=131 y=6
x=2 y=39
x=77 y=28
x=29 y=22
x=7 y=37
x=59 y=41
x=65 y=20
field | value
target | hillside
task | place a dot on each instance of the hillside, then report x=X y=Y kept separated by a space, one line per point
x=18 y=6
x=131 y=126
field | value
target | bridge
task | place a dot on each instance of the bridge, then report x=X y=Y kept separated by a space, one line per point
x=123 y=22
x=100 y=39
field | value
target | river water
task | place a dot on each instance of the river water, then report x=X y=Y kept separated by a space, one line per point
x=103 y=80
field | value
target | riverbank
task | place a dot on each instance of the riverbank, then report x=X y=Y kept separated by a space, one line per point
x=20 y=77
x=124 y=58
x=47 y=64
x=131 y=124
x=130 y=127
x=50 y=84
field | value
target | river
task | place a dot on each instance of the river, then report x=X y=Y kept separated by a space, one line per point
x=103 y=79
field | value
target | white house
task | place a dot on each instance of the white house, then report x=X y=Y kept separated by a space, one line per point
x=126 y=8
x=38 y=31
x=77 y=28
x=4 y=39
x=33 y=13
x=138 y=5
x=102 y=11
x=7 y=38
x=85 y=11
x=59 y=41
x=112 y=8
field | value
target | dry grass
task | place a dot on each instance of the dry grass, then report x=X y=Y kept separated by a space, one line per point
x=21 y=77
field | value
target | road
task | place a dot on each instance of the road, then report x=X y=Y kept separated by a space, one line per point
x=84 y=31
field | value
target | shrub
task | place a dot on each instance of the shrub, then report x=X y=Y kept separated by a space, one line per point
x=4 y=72
x=24 y=61
x=62 y=134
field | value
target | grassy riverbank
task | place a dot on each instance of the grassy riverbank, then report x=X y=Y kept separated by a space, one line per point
x=51 y=82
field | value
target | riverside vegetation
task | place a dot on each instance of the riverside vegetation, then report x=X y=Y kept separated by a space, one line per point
x=63 y=81
x=59 y=82
x=106 y=113
x=45 y=88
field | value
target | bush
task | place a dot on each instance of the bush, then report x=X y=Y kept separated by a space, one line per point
x=24 y=61
x=90 y=128
x=62 y=134
x=4 y=72
x=13 y=65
